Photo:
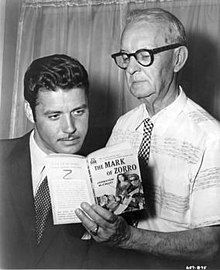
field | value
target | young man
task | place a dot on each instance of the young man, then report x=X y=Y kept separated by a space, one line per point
x=56 y=101
x=182 y=177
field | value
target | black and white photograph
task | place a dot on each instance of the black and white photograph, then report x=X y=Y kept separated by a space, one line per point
x=110 y=134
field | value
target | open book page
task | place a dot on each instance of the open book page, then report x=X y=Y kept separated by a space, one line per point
x=69 y=185
x=116 y=178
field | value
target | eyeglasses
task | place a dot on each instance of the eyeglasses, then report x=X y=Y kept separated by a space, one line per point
x=144 y=57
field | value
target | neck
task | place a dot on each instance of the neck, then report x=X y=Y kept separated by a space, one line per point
x=161 y=102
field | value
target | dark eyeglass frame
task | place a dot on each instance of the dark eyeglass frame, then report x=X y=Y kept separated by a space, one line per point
x=150 y=51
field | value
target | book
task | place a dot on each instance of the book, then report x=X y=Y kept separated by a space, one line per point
x=109 y=177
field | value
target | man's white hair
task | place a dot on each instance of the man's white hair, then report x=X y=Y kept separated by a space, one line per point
x=173 y=29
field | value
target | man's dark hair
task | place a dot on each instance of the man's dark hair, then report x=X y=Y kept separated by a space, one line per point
x=51 y=72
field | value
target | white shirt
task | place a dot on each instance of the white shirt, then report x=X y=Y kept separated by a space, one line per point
x=185 y=159
x=37 y=163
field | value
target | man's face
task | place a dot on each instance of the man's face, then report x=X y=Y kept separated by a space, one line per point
x=152 y=82
x=61 y=120
x=135 y=182
x=121 y=178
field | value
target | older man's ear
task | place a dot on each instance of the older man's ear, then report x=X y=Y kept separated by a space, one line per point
x=181 y=55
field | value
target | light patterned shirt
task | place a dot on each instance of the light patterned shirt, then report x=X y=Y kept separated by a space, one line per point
x=185 y=161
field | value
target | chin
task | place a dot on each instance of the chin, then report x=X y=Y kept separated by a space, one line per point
x=69 y=150
x=140 y=92
x=140 y=95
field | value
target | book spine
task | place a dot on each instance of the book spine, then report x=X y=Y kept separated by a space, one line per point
x=90 y=178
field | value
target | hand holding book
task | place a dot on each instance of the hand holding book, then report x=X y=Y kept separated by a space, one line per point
x=104 y=226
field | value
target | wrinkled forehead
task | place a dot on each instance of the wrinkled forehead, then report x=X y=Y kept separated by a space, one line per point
x=154 y=34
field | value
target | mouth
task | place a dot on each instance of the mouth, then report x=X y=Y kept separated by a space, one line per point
x=70 y=140
x=138 y=82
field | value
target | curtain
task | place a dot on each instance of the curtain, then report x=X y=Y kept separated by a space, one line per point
x=2 y=29
x=90 y=30
x=89 y=33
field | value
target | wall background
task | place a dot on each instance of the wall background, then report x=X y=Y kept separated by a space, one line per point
x=2 y=33
x=10 y=11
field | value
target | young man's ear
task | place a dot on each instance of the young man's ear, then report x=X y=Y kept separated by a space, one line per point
x=28 y=111
x=181 y=57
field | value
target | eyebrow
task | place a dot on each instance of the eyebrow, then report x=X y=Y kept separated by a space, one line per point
x=84 y=106
x=124 y=51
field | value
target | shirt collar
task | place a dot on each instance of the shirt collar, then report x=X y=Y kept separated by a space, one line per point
x=166 y=115
x=37 y=160
x=38 y=154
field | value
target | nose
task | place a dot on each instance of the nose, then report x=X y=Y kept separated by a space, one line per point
x=133 y=66
x=68 y=124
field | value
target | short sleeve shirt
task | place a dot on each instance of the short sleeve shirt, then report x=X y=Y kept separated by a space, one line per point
x=185 y=163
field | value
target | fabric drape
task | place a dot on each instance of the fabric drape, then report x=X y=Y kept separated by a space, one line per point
x=90 y=31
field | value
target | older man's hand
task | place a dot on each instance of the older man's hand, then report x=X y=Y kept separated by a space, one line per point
x=103 y=225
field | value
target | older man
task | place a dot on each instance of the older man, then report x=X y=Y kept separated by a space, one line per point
x=178 y=144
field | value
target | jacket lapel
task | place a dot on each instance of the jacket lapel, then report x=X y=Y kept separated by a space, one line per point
x=21 y=186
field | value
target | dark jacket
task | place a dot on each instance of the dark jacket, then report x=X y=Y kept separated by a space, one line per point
x=61 y=246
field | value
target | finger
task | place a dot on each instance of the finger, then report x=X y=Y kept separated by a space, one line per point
x=104 y=218
x=105 y=214
x=87 y=208
x=89 y=224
